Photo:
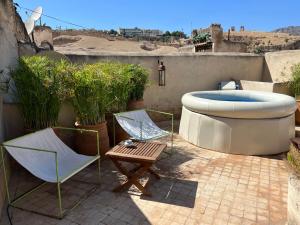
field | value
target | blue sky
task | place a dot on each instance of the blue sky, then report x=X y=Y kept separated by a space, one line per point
x=261 y=15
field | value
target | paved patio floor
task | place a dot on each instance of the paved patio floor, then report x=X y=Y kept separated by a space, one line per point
x=197 y=187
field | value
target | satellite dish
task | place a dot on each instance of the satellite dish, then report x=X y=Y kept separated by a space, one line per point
x=29 y=24
x=37 y=13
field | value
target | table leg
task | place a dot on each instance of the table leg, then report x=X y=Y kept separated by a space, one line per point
x=132 y=178
x=154 y=173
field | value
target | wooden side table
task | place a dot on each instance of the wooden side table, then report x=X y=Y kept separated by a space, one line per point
x=145 y=154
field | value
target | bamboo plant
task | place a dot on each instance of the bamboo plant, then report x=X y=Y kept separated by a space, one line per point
x=40 y=90
x=91 y=99
x=139 y=80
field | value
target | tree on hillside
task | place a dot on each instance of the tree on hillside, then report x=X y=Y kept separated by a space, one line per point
x=113 y=32
x=167 y=34
x=176 y=34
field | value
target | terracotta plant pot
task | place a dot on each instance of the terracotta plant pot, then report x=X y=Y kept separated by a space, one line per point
x=86 y=143
x=297 y=113
x=135 y=104
x=67 y=136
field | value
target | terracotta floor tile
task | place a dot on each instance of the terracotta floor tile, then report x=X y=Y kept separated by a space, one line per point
x=198 y=186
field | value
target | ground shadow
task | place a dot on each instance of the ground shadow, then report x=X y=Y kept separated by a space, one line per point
x=173 y=191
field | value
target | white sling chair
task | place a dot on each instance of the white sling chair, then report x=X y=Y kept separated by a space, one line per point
x=139 y=125
x=45 y=156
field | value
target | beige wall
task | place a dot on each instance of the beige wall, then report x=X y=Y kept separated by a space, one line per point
x=8 y=59
x=186 y=72
x=281 y=88
x=229 y=46
x=42 y=33
x=278 y=65
x=11 y=30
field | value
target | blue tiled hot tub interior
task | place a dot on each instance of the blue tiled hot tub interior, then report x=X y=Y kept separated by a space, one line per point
x=229 y=97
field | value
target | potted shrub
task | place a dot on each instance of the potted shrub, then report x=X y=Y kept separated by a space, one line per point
x=40 y=90
x=119 y=87
x=91 y=101
x=139 y=79
x=295 y=89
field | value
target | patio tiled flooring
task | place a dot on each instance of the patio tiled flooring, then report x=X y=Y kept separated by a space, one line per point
x=197 y=187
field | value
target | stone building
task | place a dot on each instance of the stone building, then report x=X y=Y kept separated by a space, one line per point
x=218 y=43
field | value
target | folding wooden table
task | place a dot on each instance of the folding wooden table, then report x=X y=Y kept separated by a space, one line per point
x=144 y=154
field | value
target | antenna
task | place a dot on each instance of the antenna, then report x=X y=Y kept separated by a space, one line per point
x=36 y=13
x=29 y=24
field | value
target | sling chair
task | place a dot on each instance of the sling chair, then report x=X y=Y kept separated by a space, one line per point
x=45 y=156
x=140 y=126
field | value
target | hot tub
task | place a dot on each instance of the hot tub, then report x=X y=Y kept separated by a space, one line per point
x=238 y=121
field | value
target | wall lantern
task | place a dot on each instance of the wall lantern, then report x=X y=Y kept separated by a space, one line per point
x=161 y=74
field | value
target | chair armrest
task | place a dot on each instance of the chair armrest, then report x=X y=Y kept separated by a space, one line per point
x=160 y=112
x=30 y=149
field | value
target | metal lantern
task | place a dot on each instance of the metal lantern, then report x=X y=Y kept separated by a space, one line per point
x=161 y=74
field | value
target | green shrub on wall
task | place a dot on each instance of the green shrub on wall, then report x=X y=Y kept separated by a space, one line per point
x=41 y=90
x=295 y=81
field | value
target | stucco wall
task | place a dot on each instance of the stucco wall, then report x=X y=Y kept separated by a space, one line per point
x=185 y=72
x=11 y=30
x=42 y=33
x=8 y=41
x=278 y=65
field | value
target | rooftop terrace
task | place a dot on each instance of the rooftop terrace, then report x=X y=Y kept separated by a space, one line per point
x=198 y=186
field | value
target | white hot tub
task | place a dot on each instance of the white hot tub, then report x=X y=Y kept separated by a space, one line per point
x=238 y=121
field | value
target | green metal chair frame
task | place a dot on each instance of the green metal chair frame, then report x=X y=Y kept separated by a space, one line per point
x=62 y=212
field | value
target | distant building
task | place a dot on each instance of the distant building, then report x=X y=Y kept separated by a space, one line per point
x=137 y=32
x=217 y=42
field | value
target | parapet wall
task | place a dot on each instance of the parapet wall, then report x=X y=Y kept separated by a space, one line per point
x=185 y=73
x=278 y=65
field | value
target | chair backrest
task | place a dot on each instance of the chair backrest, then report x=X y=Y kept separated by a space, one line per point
x=139 y=125
x=40 y=163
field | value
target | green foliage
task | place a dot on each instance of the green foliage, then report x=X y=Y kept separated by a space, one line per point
x=106 y=86
x=293 y=158
x=113 y=32
x=139 y=79
x=93 y=89
x=40 y=90
x=90 y=99
x=200 y=38
x=294 y=84
x=259 y=50
x=175 y=34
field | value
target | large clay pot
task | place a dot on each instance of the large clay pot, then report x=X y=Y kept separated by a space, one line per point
x=120 y=134
x=297 y=113
x=67 y=136
x=86 y=143
x=135 y=104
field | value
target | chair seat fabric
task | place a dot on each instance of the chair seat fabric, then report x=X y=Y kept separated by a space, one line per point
x=43 y=164
x=131 y=123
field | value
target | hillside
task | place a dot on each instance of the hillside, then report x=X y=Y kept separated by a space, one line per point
x=266 y=41
x=292 y=30
x=77 y=43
